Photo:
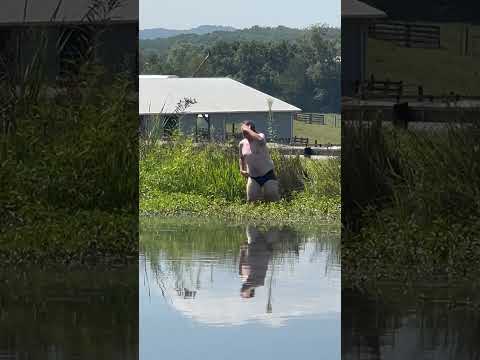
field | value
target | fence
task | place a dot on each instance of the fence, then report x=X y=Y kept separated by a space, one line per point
x=293 y=141
x=385 y=89
x=405 y=34
x=320 y=119
x=374 y=89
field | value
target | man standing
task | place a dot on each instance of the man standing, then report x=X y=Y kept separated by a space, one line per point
x=257 y=165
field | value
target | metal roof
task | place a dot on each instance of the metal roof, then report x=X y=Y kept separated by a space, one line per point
x=212 y=95
x=41 y=11
x=358 y=9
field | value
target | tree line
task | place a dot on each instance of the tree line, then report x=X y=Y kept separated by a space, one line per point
x=304 y=72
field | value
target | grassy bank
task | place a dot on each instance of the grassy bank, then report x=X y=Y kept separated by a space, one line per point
x=68 y=176
x=411 y=205
x=182 y=178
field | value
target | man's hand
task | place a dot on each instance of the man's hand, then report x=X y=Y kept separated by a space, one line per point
x=244 y=128
x=249 y=133
x=244 y=173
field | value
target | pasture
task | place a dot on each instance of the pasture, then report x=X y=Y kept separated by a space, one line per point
x=427 y=67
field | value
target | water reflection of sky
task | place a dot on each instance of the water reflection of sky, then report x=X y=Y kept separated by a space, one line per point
x=294 y=310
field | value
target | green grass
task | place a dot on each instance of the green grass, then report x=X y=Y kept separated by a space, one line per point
x=440 y=71
x=410 y=199
x=182 y=179
x=67 y=190
x=324 y=134
x=411 y=204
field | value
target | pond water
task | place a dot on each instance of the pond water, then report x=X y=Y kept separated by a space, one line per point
x=431 y=322
x=214 y=291
x=69 y=314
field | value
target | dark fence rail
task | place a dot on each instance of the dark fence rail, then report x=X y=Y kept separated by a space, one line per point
x=406 y=34
x=320 y=119
x=403 y=114
x=292 y=141
x=374 y=89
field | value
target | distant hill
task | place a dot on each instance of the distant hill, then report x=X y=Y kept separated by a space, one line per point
x=160 y=33
x=255 y=33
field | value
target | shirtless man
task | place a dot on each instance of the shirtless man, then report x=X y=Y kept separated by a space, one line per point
x=257 y=165
x=254 y=259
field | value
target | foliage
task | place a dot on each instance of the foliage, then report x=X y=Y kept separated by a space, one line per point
x=71 y=161
x=156 y=33
x=65 y=194
x=418 y=206
x=255 y=33
x=184 y=178
x=68 y=150
x=304 y=71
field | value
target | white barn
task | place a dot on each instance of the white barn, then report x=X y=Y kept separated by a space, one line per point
x=219 y=102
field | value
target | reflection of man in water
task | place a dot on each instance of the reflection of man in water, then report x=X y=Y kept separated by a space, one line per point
x=254 y=259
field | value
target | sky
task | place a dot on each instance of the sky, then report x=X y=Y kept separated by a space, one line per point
x=185 y=14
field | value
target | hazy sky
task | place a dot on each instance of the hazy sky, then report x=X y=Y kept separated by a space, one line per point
x=185 y=14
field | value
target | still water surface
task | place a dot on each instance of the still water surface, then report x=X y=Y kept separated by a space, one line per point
x=213 y=291
x=69 y=314
x=428 y=322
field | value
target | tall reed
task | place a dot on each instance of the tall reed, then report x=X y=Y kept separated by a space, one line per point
x=419 y=172
x=412 y=206
x=212 y=170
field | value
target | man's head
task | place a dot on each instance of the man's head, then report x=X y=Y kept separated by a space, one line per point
x=250 y=124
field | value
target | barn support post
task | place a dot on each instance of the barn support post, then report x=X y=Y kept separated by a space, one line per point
x=224 y=128
x=209 y=128
x=196 y=129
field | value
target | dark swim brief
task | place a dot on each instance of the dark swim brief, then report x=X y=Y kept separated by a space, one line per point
x=261 y=180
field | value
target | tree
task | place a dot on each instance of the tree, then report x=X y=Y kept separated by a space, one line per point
x=304 y=72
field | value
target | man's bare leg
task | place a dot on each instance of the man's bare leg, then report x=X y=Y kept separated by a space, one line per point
x=254 y=191
x=271 y=189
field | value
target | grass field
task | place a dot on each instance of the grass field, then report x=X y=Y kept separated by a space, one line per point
x=440 y=71
x=324 y=134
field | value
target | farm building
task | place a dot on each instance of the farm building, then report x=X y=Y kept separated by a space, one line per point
x=219 y=105
x=356 y=17
x=70 y=28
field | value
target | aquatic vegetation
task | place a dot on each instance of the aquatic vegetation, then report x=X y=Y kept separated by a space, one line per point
x=68 y=149
x=68 y=193
x=411 y=203
x=184 y=178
